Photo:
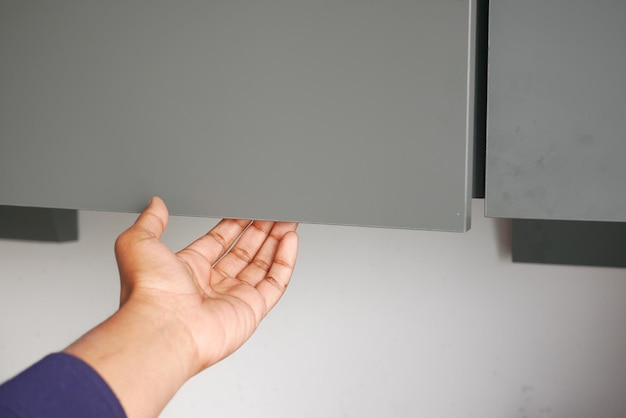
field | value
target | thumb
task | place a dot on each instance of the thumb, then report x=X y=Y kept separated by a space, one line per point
x=152 y=222
x=149 y=225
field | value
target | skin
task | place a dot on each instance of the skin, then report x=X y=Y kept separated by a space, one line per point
x=183 y=312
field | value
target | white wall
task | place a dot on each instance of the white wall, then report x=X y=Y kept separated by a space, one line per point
x=376 y=323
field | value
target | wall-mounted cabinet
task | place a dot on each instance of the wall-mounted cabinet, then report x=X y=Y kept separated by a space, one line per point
x=556 y=136
x=556 y=131
x=351 y=112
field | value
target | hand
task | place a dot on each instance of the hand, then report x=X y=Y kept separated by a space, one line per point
x=180 y=313
x=219 y=294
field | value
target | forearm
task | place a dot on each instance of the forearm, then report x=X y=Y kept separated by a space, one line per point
x=143 y=353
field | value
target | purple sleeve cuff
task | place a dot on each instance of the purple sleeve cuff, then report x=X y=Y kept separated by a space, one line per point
x=60 y=385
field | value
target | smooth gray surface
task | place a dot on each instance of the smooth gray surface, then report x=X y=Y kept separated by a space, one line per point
x=556 y=145
x=352 y=112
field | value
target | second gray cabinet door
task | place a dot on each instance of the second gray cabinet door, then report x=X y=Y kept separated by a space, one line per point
x=340 y=112
x=556 y=144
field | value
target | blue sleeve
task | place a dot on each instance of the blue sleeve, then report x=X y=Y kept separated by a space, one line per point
x=60 y=385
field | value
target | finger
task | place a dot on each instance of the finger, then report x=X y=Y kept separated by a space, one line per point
x=242 y=254
x=260 y=266
x=150 y=224
x=275 y=282
x=217 y=241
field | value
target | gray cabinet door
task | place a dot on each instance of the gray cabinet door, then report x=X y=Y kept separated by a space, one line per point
x=556 y=144
x=339 y=112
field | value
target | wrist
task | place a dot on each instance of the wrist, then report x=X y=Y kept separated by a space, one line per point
x=143 y=352
x=167 y=329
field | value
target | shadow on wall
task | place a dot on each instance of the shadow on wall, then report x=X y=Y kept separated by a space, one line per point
x=504 y=238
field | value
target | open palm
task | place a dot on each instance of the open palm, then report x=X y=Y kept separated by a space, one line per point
x=218 y=290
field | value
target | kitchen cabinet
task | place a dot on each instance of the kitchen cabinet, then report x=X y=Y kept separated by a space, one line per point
x=338 y=112
x=556 y=130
